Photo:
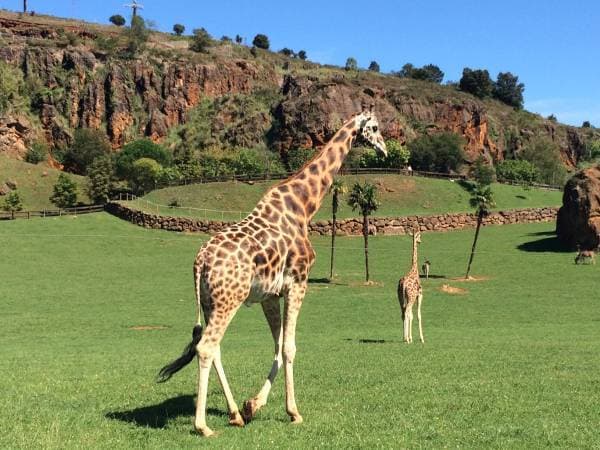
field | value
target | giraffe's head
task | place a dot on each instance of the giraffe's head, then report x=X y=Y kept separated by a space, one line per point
x=416 y=234
x=369 y=131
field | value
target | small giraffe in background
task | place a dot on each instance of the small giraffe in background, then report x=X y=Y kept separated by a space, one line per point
x=425 y=269
x=409 y=292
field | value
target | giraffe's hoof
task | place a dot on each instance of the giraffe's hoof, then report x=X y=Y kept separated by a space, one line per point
x=297 y=419
x=235 y=419
x=205 y=431
x=250 y=409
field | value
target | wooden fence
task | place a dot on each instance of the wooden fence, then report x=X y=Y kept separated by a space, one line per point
x=4 y=215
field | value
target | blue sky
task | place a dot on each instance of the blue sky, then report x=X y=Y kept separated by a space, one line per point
x=551 y=45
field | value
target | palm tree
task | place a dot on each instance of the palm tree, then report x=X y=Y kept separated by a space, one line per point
x=482 y=200
x=337 y=188
x=364 y=197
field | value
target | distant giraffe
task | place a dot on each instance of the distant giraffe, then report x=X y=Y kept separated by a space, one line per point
x=265 y=256
x=425 y=269
x=409 y=292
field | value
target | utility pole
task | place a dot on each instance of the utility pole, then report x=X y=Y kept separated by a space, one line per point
x=134 y=5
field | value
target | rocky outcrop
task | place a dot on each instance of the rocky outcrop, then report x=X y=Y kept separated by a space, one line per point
x=578 y=220
x=16 y=133
x=74 y=84
x=379 y=225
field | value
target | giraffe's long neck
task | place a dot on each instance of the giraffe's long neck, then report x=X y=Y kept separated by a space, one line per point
x=312 y=182
x=414 y=256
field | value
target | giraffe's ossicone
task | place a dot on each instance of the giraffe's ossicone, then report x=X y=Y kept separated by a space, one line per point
x=265 y=256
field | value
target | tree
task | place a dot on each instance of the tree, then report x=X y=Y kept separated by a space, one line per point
x=88 y=144
x=552 y=118
x=436 y=153
x=238 y=39
x=201 y=41
x=117 y=20
x=12 y=203
x=517 y=170
x=145 y=174
x=297 y=157
x=65 y=192
x=100 y=174
x=178 y=29
x=261 y=41
x=429 y=72
x=286 y=52
x=141 y=148
x=586 y=124
x=406 y=71
x=544 y=154
x=37 y=153
x=374 y=66
x=364 y=198
x=137 y=36
x=397 y=156
x=482 y=172
x=476 y=82
x=302 y=55
x=482 y=200
x=351 y=64
x=508 y=90
x=337 y=188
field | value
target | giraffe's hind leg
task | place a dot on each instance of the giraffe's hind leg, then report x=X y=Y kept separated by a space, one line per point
x=208 y=351
x=419 y=301
x=272 y=313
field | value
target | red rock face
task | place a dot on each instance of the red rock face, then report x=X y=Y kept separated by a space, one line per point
x=578 y=221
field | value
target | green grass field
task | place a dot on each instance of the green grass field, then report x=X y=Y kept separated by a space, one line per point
x=511 y=363
x=35 y=183
x=400 y=195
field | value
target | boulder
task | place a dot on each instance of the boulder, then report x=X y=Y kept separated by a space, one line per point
x=578 y=220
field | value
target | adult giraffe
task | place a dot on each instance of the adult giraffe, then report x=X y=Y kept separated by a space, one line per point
x=265 y=256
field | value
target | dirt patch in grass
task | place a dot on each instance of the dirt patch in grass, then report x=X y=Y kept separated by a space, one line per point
x=453 y=290
x=366 y=284
x=148 y=327
x=470 y=279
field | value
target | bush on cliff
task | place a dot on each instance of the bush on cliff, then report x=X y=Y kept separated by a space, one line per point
x=437 y=153
x=88 y=144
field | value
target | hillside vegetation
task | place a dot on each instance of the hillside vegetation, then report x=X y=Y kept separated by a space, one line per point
x=35 y=183
x=400 y=196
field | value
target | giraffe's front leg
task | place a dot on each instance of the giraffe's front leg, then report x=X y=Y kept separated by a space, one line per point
x=293 y=302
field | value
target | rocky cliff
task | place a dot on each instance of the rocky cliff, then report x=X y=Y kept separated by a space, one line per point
x=74 y=83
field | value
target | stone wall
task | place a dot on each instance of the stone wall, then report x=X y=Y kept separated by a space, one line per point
x=380 y=225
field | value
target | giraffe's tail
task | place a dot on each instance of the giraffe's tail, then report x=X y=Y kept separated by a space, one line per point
x=186 y=357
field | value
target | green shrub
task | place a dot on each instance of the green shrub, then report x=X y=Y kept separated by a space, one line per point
x=351 y=64
x=437 y=153
x=145 y=173
x=374 y=66
x=201 y=41
x=476 y=82
x=508 y=90
x=517 y=170
x=137 y=36
x=397 y=157
x=12 y=203
x=117 y=19
x=297 y=157
x=544 y=154
x=261 y=41
x=142 y=148
x=37 y=153
x=482 y=172
x=12 y=88
x=101 y=175
x=169 y=175
x=64 y=194
x=302 y=55
x=88 y=144
x=178 y=29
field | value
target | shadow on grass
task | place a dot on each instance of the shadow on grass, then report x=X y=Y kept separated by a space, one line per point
x=157 y=416
x=543 y=233
x=546 y=245
x=435 y=277
x=371 y=341
x=325 y=281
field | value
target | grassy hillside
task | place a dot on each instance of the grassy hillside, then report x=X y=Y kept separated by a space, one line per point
x=35 y=182
x=400 y=195
x=511 y=363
